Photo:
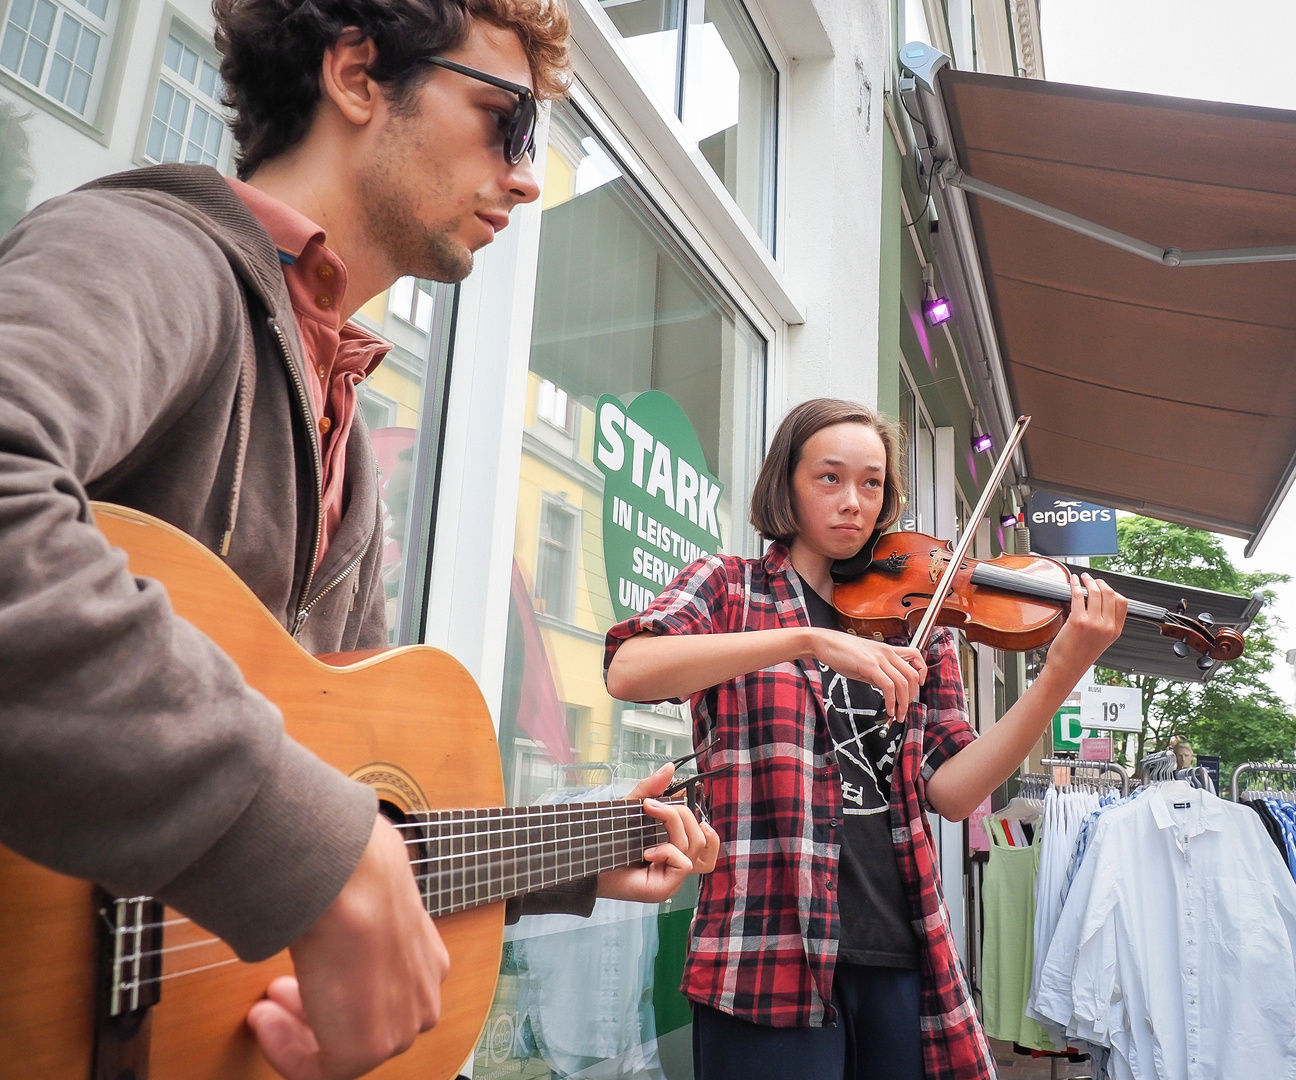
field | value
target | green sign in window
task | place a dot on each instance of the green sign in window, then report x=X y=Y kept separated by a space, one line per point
x=659 y=503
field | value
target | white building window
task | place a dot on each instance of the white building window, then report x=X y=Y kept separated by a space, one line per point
x=60 y=49
x=187 y=122
x=556 y=576
x=412 y=299
x=553 y=405
x=705 y=62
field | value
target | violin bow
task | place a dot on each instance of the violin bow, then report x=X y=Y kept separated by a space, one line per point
x=928 y=623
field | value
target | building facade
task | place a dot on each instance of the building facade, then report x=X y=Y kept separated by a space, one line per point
x=730 y=217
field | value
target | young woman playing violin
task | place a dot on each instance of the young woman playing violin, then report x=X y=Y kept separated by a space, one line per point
x=821 y=947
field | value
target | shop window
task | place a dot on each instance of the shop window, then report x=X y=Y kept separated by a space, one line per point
x=187 y=121
x=402 y=406
x=621 y=308
x=555 y=564
x=705 y=62
x=60 y=49
x=919 y=514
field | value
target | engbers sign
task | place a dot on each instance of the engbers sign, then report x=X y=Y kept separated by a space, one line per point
x=1063 y=526
x=660 y=503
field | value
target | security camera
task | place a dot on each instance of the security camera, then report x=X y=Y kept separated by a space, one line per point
x=923 y=62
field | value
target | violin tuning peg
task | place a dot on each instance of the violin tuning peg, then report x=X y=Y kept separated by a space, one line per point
x=1205 y=663
x=1206 y=619
x=1181 y=650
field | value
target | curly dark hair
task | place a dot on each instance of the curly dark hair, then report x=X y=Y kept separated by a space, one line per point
x=272 y=51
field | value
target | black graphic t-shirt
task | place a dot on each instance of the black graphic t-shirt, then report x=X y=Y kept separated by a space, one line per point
x=875 y=926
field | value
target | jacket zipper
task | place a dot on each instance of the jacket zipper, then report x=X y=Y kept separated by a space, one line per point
x=317 y=462
x=346 y=572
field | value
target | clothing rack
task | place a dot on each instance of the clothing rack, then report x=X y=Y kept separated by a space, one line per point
x=1099 y=767
x=1259 y=767
x=1160 y=765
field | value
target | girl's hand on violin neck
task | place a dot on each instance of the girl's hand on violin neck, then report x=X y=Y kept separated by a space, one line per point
x=897 y=672
x=1091 y=627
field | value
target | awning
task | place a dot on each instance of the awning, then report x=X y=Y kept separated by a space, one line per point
x=1142 y=650
x=1126 y=264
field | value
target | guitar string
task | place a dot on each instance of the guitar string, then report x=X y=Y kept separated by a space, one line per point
x=602 y=854
x=467 y=863
x=621 y=823
x=471 y=860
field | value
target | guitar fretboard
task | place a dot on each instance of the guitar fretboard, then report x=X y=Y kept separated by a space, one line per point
x=465 y=858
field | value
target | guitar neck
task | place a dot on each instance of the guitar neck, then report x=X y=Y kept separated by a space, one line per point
x=465 y=858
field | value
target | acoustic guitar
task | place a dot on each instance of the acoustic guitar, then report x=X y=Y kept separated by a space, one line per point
x=105 y=988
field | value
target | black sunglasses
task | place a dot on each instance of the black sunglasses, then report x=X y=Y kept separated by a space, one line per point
x=519 y=130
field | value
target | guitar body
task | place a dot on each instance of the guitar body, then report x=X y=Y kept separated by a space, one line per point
x=410 y=722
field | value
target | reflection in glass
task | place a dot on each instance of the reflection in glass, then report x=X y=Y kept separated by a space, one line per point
x=730 y=106
x=400 y=404
x=727 y=97
x=16 y=175
x=650 y=31
x=620 y=309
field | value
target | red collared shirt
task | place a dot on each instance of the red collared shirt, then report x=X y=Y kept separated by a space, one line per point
x=340 y=353
x=763 y=945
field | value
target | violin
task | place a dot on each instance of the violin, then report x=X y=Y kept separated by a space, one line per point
x=1013 y=602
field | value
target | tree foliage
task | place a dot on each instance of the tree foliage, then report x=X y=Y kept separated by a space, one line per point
x=1237 y=715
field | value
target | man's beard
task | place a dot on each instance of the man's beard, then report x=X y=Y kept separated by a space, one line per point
x=411 y=247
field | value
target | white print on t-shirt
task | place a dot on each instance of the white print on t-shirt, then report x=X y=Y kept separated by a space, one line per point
x=861 y=789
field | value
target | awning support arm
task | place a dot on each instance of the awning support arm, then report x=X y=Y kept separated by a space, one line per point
x=1172 y=256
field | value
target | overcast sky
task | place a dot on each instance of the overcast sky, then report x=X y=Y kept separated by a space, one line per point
x=1221 y=50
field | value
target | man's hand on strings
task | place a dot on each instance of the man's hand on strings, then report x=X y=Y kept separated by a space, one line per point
x=368 y=975
x=691 y=848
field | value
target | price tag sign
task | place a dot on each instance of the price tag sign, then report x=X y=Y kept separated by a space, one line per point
x=1098 y=748
x=1111 y=708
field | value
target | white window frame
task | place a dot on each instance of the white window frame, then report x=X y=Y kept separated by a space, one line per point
x=415 y=289
x=377 y=399
x=607 y=75
x=100 y=107
x=549 y=504
x=568 y=424
x=175 y=24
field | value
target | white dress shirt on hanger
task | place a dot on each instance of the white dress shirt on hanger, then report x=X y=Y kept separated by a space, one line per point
x=1177 y=943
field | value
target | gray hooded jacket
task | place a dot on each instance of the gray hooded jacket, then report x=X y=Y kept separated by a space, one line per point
x=149 y=356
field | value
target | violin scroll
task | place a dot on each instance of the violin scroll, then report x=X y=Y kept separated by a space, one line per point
x=1210 y=643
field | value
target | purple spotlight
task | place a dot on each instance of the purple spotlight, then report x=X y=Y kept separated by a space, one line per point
x=937 y=311
x=982 y=443
x=1009 y=521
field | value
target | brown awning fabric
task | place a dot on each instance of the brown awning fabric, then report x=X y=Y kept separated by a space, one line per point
x=1170 y=390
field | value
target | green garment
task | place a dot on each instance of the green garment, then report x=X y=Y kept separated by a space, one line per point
x=1009 y=949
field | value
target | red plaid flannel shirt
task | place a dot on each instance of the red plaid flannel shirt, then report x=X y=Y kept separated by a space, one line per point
x=764 y=939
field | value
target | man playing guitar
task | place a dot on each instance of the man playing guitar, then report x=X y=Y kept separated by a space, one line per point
x=179 y=343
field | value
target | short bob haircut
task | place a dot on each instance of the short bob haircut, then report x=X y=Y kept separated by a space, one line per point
x=272 y=52
x=772 y=509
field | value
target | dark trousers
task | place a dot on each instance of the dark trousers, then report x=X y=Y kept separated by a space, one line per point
x=876 y=1037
